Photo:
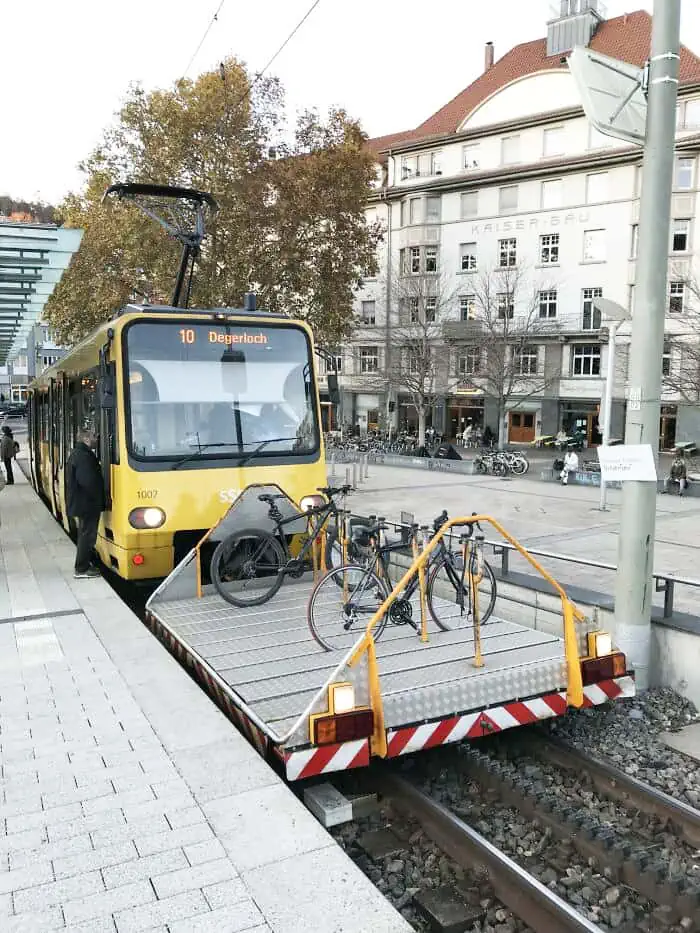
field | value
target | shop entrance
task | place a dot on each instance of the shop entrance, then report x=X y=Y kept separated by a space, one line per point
x=459 y=415
x=521 y=427
x=582 y=418
x=667 y=427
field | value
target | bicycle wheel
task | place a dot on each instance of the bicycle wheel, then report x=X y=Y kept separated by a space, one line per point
x=519 y=466
x=247 y=567
x=342 y=603
x=442 y=595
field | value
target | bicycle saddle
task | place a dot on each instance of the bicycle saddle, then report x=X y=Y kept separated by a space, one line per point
x=270 y=497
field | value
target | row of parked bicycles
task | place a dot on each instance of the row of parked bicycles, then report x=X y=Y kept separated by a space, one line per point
x=502 y=462
x=402 y=443
x=363 y=558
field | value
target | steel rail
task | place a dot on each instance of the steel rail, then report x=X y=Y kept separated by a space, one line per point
x=529 y=899
x=615 y=784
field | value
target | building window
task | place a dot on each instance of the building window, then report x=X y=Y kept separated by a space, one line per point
x=553 y=141
x=413 y=362
x=676 y=295
x=413 y=311
x=688 y=114
x=467 y=307
x=591 y=315
x=507 y=252
x=469 y=361
x=680 y=242
x=467 y=255
x=594 y=246
x=432 y=210
x=549 y=249
x=666 y=360
x=585 y=360
x=414 y=213
x=471 y=159
x=508 y=199
x=414 y=253
x=334 y=364
x=368 y=309
x=552 y=194
x=683 y=174
x=369 y=359
x=408 y=167
x=634 y=246
x=430 y=310
x=504 y=305
x=525 y=360
x=431 y=258
x=510 y=150
x=598 y=140
x=548 y=303
x=597 y=188
x=436 y=163
x=469 y=204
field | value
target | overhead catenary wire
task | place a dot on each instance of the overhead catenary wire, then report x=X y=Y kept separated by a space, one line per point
x=286 y=42
x=201 y=41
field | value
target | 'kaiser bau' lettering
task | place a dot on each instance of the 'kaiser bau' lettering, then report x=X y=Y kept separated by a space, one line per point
x=216 y=336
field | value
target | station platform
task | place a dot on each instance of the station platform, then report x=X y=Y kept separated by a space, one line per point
x=130 y=802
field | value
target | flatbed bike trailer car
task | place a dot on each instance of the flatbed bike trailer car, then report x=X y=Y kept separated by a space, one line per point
x=315 y=712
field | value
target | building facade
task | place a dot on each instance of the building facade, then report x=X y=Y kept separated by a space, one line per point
x=506 y=215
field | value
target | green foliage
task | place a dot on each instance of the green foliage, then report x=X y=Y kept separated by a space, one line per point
x=292 y=228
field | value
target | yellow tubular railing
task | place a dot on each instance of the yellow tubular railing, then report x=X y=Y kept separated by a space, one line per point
x=574 y=688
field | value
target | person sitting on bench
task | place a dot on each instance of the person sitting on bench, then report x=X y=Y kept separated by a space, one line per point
x=678 y=474
x=570 y=466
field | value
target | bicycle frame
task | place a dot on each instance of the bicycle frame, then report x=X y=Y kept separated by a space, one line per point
x=325 y=512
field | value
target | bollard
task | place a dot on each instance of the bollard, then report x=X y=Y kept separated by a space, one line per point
x=347 y=476
x=354 y=475
x=367 y=467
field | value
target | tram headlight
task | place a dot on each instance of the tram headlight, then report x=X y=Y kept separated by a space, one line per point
x=150 y=517
x=311 y=502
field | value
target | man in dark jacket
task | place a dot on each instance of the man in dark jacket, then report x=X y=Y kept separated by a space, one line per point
x=7 y=452
x=85 y=494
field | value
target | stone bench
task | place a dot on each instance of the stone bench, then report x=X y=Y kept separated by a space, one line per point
x=588 y=478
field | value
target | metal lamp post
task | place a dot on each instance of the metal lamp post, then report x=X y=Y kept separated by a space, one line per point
x=613 y=314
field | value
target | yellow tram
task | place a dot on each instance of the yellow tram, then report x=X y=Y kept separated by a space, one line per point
x=190 y=407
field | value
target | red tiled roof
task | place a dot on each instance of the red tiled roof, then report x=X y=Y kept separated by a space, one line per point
x=627 y=37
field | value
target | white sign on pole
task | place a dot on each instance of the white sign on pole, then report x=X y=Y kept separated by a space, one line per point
x=611 y=94
x=627 y=462
x=634 y=399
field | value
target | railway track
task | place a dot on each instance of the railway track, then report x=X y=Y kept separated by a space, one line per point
x=537 y=906
x=568 y=841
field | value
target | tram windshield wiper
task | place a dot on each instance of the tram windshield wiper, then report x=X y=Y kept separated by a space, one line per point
x=245 y=458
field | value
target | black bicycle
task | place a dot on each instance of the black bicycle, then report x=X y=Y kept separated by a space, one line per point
x=249 y=566
x=348 y=596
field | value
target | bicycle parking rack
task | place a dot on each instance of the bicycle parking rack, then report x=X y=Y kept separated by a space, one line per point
x=314 y=711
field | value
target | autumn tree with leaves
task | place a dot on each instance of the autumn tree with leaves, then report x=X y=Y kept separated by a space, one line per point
x=291 y=224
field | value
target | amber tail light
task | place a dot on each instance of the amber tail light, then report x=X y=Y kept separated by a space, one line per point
x=594 y=670
x=343 y=727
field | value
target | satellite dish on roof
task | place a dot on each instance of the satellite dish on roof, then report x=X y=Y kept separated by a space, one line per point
x=612 y=94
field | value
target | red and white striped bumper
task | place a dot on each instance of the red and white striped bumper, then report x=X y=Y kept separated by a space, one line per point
x=312 y=761
x=474 y=725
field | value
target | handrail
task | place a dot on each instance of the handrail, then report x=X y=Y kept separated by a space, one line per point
x=574 y=693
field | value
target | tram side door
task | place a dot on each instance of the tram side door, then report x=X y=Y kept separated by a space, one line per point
x=56 y=442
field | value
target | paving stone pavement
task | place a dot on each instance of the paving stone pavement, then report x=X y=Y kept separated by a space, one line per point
x=129 y=802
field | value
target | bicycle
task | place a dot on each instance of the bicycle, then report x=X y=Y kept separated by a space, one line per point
x=351 y=594
x=256 y=561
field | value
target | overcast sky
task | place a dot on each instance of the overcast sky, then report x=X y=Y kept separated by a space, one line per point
x=65 y=65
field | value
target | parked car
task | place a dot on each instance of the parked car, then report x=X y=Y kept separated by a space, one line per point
x=15 y=411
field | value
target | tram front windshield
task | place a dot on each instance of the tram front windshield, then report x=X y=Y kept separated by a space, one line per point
x=218 y=390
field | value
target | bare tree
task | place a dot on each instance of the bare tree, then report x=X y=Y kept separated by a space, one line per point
x=420 y=355
x=509 y=320
x=681 y=367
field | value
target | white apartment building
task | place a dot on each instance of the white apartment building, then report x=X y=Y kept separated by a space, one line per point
x=509 y=174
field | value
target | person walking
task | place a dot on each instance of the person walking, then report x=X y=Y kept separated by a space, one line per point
x=7 y=452
x=85 y=495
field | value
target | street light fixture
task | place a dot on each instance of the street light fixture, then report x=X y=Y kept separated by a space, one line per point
x=614 y=315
